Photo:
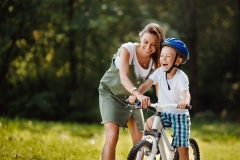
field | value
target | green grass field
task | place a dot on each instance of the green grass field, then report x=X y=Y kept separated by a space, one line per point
x=37 y=140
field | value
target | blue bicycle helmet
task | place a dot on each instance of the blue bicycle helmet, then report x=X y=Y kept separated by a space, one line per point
x=179 y=46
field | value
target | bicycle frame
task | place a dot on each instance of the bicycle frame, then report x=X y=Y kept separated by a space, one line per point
x=159 y=140
x=160 y=137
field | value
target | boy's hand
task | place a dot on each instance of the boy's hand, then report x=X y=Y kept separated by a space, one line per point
x=182 y=104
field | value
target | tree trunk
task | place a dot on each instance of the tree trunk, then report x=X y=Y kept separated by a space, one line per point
x=71 y=48
x=238 y=37
x=82 y=76
x=192 y=45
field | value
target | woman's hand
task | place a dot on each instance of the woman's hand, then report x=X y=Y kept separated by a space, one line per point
x=145 y=100
x=132 y=99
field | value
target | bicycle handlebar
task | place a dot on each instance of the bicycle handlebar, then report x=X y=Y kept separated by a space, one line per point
x=137 y=104
x=157 y=106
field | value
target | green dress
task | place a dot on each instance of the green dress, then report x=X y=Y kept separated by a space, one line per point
x=112 y=98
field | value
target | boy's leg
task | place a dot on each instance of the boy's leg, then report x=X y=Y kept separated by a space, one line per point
x=183 y=153
x=181 y=127
x=149 y=123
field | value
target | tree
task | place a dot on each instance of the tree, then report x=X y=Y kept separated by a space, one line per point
x=54 y=53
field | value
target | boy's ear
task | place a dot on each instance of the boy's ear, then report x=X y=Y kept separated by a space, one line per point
x=179 y=60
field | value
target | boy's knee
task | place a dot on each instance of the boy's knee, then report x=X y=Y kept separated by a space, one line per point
x=149 y=123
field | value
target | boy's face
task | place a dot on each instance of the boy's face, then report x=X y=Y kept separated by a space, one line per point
x=167 y=57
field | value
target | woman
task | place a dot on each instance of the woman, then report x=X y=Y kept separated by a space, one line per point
x=130 y=66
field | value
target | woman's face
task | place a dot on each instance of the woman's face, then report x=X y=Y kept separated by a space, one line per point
x=148 y=43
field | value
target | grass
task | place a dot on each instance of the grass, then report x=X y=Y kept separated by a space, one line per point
x=217 y=139
x=22 y=139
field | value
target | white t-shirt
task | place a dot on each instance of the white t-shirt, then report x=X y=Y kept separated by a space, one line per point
x=178 y=84
x=140 y=72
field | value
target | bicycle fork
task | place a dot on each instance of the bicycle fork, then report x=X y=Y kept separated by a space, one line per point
x=158 y=137
x=154 y=146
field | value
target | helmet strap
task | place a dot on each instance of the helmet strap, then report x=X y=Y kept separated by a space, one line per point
x=167 y=82
x=173 y=65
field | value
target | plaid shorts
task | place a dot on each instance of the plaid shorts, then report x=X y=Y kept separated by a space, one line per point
x=181 y=128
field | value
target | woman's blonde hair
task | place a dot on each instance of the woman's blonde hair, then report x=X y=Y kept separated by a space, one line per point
x=157 y=30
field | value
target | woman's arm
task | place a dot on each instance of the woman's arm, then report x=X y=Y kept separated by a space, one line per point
x=145 y=86
x=141 y=90
x=126 y=82
x=124 y=69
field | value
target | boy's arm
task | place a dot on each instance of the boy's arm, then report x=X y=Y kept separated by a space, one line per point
x=145 y=86
x=186 y=99
x=140 y=91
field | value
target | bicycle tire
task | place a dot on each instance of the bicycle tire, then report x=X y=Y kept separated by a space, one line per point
x=194 y=153
x=141 y=150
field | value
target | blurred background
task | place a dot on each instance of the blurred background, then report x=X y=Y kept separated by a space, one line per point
x=53 y=53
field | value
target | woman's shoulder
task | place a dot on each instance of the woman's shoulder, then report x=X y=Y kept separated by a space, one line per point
x=131 y=47
x=129 y=44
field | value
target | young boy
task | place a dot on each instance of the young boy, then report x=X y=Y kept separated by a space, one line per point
x=172 y=88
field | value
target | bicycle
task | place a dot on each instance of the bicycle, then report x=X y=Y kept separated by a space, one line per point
x=147 y=148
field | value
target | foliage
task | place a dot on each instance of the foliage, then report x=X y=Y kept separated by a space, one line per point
x=54 y=53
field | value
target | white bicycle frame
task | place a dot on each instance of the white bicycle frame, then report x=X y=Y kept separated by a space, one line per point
x=157 y=125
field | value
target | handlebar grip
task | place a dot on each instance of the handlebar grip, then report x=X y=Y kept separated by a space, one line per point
x=189 y=107
x=137 y=104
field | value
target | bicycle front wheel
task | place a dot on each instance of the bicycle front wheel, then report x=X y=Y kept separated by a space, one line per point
x=140 y=151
